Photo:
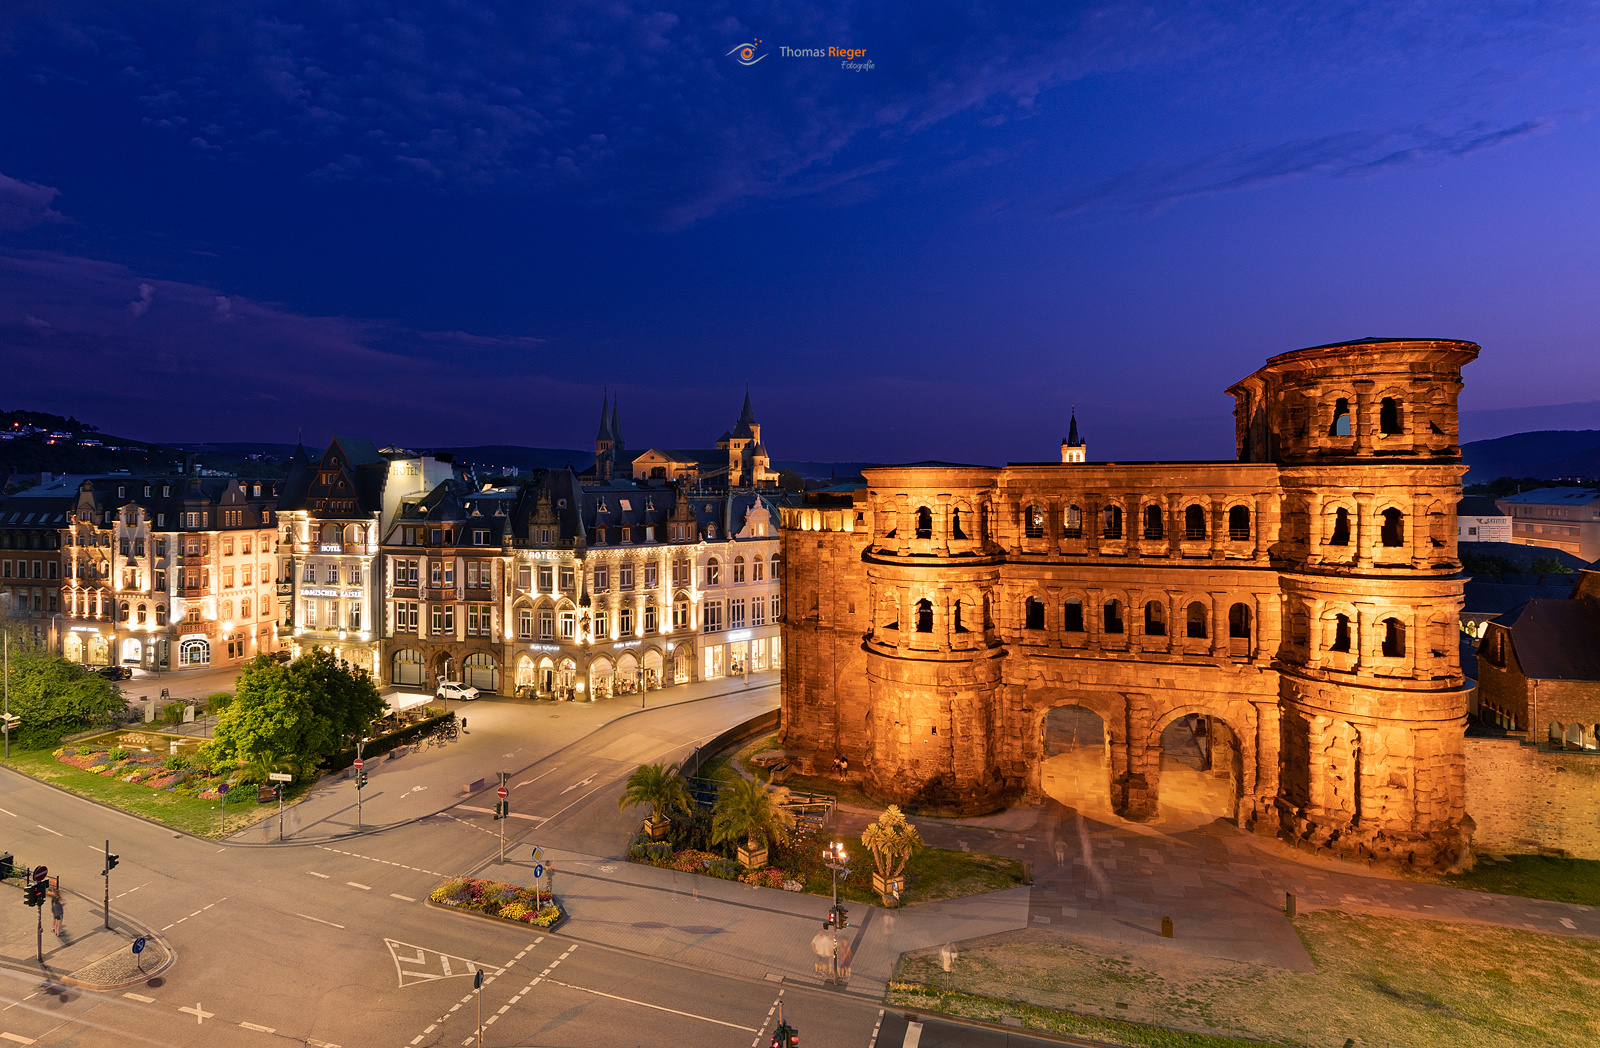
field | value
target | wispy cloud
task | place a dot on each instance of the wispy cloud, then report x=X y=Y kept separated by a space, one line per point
x=1344 y=155
x=24 y=205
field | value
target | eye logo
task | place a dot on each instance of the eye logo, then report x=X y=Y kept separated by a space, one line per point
x=747 y=53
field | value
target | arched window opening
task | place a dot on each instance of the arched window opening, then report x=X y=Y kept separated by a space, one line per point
x=738 y=569
x=1033 y=614
x=1194 y=523
x=1238 y=524
x=924 y=615
x=956 y=610
x=1239 y=621
x=1155 y=619
x=1389 y=417
x=1072 y=616
x=142 y=614
x=1394 y=639
x=924 y=522
x=1341 y=419
x=1341 y=528
x=1153 y=528
x=1393 y=532
x=1033 y=522
x=1196 y=625
x=1111 y=522
x=713 y=572
x=955 y=525
x=1113 y=610
x=1072 y=523
x=1574 y=737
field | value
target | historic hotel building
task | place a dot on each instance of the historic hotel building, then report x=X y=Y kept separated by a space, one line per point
x=1300 y=603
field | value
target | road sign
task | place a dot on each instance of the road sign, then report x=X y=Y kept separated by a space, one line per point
x=280 y=776
x=138 y=944
x=360 y=763
x=502 y=793
x=223 y=790
x=41 y=872
x=538 y=855
x=538 y=870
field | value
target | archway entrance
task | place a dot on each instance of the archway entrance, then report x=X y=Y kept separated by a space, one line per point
x=407 y=668
x=1076 y=766
x=1202 y=771
x=652 y=669
x=72 y=648
x=481 y=671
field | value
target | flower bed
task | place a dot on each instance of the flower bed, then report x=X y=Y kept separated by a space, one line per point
x=510 y=902
x=158 y=771
x=710 y=864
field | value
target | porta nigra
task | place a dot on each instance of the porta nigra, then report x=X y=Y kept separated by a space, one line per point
x=1276 y=634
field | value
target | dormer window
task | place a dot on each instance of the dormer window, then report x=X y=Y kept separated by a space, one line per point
x=480 y=537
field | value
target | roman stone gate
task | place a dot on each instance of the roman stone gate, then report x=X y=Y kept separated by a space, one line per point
x=1269 y=640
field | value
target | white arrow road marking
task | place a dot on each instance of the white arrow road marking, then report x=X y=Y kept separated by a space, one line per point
x=428 y=965
x=575 y=785
x=537 y=777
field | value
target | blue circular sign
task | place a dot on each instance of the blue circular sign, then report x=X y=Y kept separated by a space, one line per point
x=138 y=944
x=538 y=870
x=223 y=789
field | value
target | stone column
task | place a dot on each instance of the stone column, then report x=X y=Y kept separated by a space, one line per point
x=1052 y=526
x=941 y=523
x=1137 y=789
x=1367 y=531
x=1091 y=524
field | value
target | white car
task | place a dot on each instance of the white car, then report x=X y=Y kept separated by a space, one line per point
x=454 y=689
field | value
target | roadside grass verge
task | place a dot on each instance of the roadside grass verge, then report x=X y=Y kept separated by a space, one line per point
x=1046 y=1020
x=1379 y=980
x=932 y=874
x=1533 y=877
x=203 y=818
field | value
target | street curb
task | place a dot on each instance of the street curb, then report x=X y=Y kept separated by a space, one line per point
x=172 y=957
x=565 y=916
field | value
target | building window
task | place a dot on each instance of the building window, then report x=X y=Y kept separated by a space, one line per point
x=1032 y=614
x=1111 y=522
x=1196 y=621
x=602 y=624
x=776 y=606
x=625 y=621
x=480 y=537
x=547 y=624
x=1393 y=532
x=711 y=616
x=1033 y=522
x=1341 y=419
x=649 y=576
x=1394 y=639
x=1113 y=616
x=1072 y=616
x=757 y=568
x=524 y=578
x=546 y=579
x=713 y=572
x=602 y=579
x=310 y=574
x=437 y=617
x=332 y=574
x=1238 y=524
x=1341 y=633
x=355 y=615
x=568 y=625
x=566 y=578
x=758 y=611
x=1155 y=619
x=649 y=618
x=736 y=614
x=680 y=615
x=1072 y=523
x=738 y=569
x=525 y=623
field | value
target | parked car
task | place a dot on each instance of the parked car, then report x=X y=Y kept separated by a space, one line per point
x=282 y=657
x=115 y=672
x=454 y=689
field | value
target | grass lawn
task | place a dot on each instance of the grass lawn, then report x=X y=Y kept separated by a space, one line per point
x=1379 y=981
x=1534 y=877
x=931 y=875
x=190 y=814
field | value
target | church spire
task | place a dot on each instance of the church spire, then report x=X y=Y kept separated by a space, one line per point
x=1072 y=446
x=616 y=427
x=747 y=416
x=605 y=427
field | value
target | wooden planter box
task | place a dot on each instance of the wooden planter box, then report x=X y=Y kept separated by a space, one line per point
x=657 y=828
x=890 y=888
x=752 y=859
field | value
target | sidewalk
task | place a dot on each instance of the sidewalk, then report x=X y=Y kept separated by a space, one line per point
x=85 y=944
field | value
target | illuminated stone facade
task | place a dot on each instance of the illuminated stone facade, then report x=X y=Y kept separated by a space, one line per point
x=1300 y=603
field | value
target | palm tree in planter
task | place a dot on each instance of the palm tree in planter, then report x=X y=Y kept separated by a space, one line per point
x=892 y=841
x=659 y=787
x=746 y=809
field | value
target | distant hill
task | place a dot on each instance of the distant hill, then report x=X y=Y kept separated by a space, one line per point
x=521 y=458
x=1547 y=454
x=823 y=470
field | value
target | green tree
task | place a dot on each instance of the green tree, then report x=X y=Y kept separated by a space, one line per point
x=789 y=480
x=343 y=694
x=54 y=697
x=1550 y=566
x=270 y=715
x=746 y=809
x=892 y=841
x=656 y=785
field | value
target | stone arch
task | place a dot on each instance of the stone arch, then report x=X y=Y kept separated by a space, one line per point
x=1111 y=708
x=1111 y=524
x=1239 y=519
x=1227 y=754
x=1339 y=415
x=1195 y=526
x=1153 y=526
x=1339 y=521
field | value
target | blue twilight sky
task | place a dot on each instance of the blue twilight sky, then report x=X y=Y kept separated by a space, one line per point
x=456 y=222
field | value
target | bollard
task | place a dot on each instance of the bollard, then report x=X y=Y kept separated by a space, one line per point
x=1166 y=927
x=1288 y=905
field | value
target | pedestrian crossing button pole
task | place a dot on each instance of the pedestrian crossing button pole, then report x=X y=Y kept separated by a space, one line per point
x=477 y=989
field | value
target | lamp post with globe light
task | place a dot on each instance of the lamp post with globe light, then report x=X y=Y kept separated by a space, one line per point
x=836 y=860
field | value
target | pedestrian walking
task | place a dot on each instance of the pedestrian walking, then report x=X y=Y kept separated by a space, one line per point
x=57 y=911
x=463 y=722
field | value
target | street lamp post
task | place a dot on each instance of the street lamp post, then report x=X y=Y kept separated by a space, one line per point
x=837 y=857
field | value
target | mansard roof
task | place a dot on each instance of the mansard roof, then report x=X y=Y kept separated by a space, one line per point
x=1556 y=639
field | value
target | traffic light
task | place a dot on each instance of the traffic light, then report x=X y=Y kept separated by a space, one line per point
x=34 y=894
x=785 y=1036
x=844 y=917
x=838 y=917
x=502 y=809
x=361 y=779
x=111 y=864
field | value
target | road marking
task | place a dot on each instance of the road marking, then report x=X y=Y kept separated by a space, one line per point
x=403 y=866
x=10 y=813
x=47 y=829
x=319 y=920
x=575 y=785
x=657 y=1007
x=913 y=1036
x=259 y=1029
x=17 y=1037
x=410 y=970
x=199 y=1013
x=314 y=873
x=363 y=887
x=320 y=1044
x=1566 y=922
x=402 y=898
x=141 y=998
x=875 y=1027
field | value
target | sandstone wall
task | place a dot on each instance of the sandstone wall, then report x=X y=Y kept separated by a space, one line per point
x=1525 y=798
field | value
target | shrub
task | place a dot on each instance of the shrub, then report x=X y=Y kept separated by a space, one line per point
x=218 y=701
x=119 y=754
x=84 y=751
